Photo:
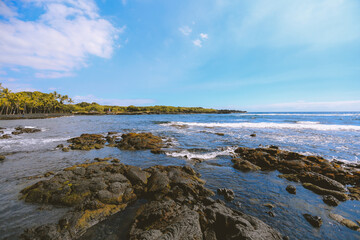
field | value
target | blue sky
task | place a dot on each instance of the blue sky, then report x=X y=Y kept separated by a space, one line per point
x=256 y=55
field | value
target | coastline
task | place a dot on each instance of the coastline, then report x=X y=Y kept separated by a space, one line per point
x=281 y=186
x=55 y=115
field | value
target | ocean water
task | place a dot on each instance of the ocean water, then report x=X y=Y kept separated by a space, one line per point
x=208 y=137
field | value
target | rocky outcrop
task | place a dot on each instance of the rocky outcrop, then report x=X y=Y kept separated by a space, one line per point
x=210 y=220
x=315 y=173
x=5 y=136
x=346 y=222
x=129 y=141
x=140 y=141
x=330 y=200
x=21 y=130
x=291 y=189
x=221 y=222
x=87 y=142
x=166 y=219
x=315 y=221
x=178 y=205
x=228 y=194
x=244 y=165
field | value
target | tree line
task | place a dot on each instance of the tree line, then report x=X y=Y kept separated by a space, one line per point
x=37 y=102
x=32 y=102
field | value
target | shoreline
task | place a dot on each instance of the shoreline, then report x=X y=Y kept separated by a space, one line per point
x=56 y=115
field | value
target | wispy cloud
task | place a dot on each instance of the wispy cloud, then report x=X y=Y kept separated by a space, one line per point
x=60 y=39
x=50 y=75
x=197 y=42
x=186 y=30
x=204 y=35
x=117 y=102
x=19 y=87
x=6 y=11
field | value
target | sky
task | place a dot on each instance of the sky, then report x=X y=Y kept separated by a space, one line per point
x=254 y=55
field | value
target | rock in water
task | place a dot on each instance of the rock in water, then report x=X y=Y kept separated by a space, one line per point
x=21 y=130
x=314 y=172
x=346 y=222
x=330 y=200
x=179 y=206
x=140 y=141
x=315 y=221
x=5 y=136
x=87 y=142
x=291 y=189
x=2 y=157
x=244 y=165
x=228 y=194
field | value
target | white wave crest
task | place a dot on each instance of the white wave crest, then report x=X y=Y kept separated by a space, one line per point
x=302 y=114
x=205 y=156
x=307 y=122
x=32 y=141
x=314 y=126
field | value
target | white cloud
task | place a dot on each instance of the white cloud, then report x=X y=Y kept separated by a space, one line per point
x=353 y=105
x=15 y=69
x=53 y=74
x=197 y=42
x=5 y=11
x=19 y=87
x=186 y=30
x=124 y=2
x=6 y=79
x=2 y=72
x=117 y=102
x=204 y=35
x=60 y=39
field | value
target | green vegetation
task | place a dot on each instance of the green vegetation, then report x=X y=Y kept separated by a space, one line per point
x=86 y=108
x=38 y=102
x=32 y=102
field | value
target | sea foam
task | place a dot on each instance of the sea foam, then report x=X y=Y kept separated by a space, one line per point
x=298 y=125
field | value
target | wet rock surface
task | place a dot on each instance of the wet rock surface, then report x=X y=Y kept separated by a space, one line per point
x=228 y=194
x=178 y=205
x=209 y=220
x=330 y=200
x=244 y=165
x=346 y=222
x=21 y=130
x=129 y=141
x=140 y=141
x=87 y=142
x=291 y=189
x=315 y=173
x=315 y=221
x=5 y=136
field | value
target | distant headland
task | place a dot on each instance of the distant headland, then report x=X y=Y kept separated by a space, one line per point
x=35 y=105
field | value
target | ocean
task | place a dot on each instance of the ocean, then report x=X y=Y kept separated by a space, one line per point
x=205 y=142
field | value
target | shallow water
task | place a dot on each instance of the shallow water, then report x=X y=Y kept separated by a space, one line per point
x=331 y=135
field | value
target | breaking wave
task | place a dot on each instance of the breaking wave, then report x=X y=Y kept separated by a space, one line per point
x=298 y=125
